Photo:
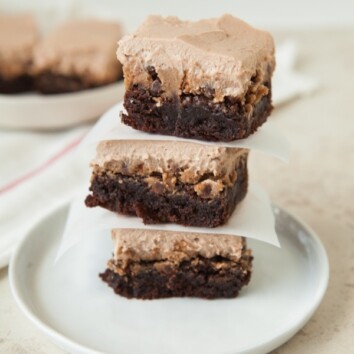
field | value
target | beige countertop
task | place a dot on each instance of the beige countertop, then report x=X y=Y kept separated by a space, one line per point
x=317 y=185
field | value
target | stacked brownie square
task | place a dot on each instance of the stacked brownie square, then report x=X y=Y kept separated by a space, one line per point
x=208 y=80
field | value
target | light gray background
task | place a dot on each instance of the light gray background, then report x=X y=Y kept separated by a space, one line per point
x=272 y=14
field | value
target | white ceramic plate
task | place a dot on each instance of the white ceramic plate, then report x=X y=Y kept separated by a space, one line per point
x=70 y=304
x=10 y=239
x=35 y=111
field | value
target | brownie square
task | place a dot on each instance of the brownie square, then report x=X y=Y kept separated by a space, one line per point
x=151 y=264
x=168 y=181
x=208 y=80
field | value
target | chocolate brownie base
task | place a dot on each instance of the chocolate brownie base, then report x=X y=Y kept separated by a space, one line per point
x=194 y=116
x=133 y=196
x=208 y=278
x=19 y=84
x=51 y=83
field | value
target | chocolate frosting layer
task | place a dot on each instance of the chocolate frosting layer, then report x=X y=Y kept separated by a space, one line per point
x=186 y=161
x=219 y=55
x=154 y=245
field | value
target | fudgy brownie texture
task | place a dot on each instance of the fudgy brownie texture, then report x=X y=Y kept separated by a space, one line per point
x=208 y=278
x=51 y=83
x=132 y=195
x=195 y=116
x=19 y=84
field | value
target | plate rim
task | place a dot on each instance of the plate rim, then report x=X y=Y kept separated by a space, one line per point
x=65 y=342
x=7 y=253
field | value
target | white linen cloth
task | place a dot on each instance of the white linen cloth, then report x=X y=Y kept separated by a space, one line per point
x=40 y=171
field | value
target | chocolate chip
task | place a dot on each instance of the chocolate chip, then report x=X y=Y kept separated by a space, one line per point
x=155 y=88
x=208 y=92
x=153 y=74
x=157 y=188
x=206 y=191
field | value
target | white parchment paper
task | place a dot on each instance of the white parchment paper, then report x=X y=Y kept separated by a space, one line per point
x=266 y=139
x=253 y=218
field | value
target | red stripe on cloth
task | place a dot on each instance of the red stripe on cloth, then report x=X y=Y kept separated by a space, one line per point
x=42 y=167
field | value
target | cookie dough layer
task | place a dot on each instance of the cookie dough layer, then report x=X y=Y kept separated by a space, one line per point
x=151 y=264
x=208 y=80
x=76 y=56
x=160 y=183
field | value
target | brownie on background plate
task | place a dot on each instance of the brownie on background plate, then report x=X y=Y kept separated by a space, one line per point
x=169 y=181
x=18 y=36
x=151 y=264
x=209 y=80
x=77 y=55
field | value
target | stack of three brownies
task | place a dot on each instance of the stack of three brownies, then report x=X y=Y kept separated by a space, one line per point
x=208 y=80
